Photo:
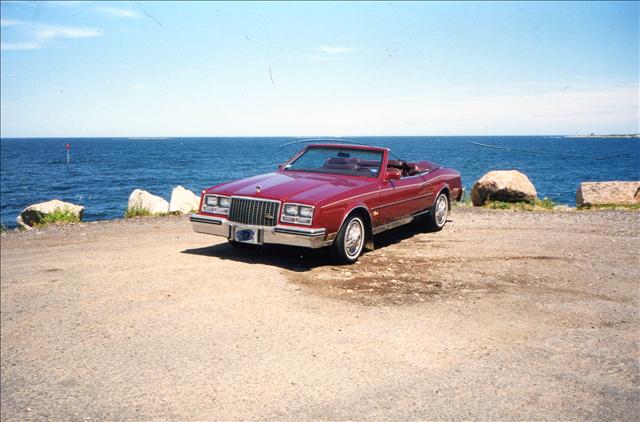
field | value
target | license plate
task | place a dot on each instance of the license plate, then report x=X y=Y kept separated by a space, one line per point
x=246 y=235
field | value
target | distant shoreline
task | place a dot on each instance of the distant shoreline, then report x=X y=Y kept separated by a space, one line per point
x=592 y=135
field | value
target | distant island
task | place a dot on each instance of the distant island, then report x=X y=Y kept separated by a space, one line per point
x=593 y=135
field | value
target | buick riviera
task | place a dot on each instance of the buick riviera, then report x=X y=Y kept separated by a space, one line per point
x=329 y=194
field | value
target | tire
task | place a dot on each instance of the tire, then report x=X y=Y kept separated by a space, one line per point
x=437 y=216
x=350 y=240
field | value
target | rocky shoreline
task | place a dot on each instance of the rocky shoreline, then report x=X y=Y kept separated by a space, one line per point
x=503 y=187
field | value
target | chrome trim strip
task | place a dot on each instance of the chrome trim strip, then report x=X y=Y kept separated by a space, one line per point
x=203 y=220
x=310 y=233
x=302 y=229
x=398 y=223
x=206 y=219
x=401 y=201
x=256 y=199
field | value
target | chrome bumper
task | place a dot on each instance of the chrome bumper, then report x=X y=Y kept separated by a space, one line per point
x=281 y=235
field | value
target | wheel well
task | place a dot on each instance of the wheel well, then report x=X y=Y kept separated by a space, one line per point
x=366 y=218
x=448 y=193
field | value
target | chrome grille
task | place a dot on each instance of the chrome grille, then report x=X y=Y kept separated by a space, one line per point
x=257 y=212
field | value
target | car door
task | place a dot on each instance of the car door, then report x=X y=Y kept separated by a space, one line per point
x=398 y=199
x=431 y=184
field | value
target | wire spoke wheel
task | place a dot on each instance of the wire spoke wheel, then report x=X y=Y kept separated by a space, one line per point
x=350 y=240
x=441 y=210
x=354 y=238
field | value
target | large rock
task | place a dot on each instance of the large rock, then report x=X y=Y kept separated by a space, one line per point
x=183 y=200
x=144 y=201
x=35 y=214
x=608 y=193
x=503 y=185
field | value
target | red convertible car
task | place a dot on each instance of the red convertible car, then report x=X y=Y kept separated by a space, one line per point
x=329 y=194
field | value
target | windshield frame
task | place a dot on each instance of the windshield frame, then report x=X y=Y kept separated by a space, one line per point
x=375 y=175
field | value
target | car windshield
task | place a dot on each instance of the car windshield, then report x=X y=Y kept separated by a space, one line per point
x=351 y=161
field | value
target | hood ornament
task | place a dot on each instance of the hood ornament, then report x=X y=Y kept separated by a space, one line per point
x=258 y=188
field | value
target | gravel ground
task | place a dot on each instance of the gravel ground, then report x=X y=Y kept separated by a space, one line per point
x=502 y=315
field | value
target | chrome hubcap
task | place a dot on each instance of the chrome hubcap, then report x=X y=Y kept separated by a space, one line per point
x=354 y=238
x=441 y=210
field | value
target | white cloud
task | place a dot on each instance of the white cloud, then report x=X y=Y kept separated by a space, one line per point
x=136 y=87
x=42 y=34
x=331 y=49
x=29 y=45
x=9 y=22
x=51 y=32
x=117 y=12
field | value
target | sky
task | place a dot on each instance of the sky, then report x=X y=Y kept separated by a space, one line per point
x=92 y=69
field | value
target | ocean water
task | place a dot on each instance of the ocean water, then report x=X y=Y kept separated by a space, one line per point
x=103 y=171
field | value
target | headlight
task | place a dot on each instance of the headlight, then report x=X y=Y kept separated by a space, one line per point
x=291 y=209
x=223 y=202
x=216 y=204
x=297 y=214
x=306 y=212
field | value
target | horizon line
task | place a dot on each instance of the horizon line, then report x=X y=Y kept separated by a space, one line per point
x=314 y=136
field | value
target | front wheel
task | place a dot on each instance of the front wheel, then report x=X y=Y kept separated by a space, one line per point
x=437 y=217
x=350 y=241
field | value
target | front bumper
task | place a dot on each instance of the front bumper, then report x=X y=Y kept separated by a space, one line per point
x=281 y=235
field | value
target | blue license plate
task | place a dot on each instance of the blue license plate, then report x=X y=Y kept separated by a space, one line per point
x=247 y=236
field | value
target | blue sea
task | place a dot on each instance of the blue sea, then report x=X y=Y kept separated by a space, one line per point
x=103 y=171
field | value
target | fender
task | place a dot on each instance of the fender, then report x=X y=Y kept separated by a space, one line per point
x=439 y=188
x=369 y=241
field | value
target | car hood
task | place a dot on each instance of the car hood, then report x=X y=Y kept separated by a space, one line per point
x=291 y=186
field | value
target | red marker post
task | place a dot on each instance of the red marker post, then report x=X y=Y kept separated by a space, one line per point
x=68 y=147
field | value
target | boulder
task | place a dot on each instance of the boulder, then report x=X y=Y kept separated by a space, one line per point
x=34 y=215
x=143 y=200
x=183 y=201
x=608 y=193
x=503 y=185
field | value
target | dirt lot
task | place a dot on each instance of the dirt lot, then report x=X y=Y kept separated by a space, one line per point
x=502 y=315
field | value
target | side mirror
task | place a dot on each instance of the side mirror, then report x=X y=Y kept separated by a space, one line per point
x=392 y=174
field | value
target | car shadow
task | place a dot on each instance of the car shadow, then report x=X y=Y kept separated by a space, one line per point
x=294 y=258
x=287 y=257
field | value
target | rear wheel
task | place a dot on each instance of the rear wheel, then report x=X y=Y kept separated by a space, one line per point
x=437 y=217
x=350 y=240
